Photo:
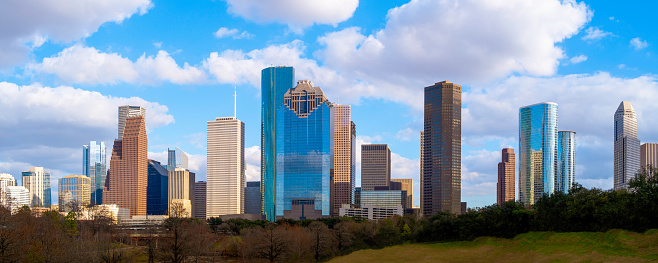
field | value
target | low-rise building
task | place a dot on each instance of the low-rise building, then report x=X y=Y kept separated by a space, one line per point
x=370 y=212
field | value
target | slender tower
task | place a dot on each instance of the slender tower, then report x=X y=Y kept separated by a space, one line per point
x=566 y=161
x=506 y=168
x=627 y=145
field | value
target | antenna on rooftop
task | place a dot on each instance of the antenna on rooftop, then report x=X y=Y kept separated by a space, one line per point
x=235 y=98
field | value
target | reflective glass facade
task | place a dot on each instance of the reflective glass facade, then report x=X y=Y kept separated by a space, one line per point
x=275 y=82
x=73 y=190
x=566 y=156
x=252 y=198
x=383 y=198
x=537 y=151
x=37 y=181
x=94 y=166
x=176 y=158
x=157 y=194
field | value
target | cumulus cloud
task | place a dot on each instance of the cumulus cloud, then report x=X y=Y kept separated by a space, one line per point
x=297 y=14
x=233 y=32
x=638 y=44
x=252 y=160
x=594 y=33
x=578 y=59
x=87 y=65
x=33 y=22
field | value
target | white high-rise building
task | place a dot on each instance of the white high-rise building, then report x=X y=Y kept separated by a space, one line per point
x=128 y=111
x=226 y=167
x=17 y=197
x=5 y=181
x=627 y=145
x=181 y=187
x=37 y=181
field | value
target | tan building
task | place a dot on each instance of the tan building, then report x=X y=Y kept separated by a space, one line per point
x=343 y=182
x=649 y=155
x=127 y=178
x=506 y=168
x=375 y=166
x=408 y=186
x=181 y=187
x=74 y=190
x=441 y=176
x=226 y=167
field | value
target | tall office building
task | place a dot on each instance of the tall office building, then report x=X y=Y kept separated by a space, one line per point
x=252 y=200
x=94 y=166
x=5 y=181
x=649 y=155
x=226 y=167
x=506 y=168
x=566 y=161
x=127 y=178
x=177 y=158
x=127 y=112
x=537 y=151
x=74 y=190
x=275 y=82
x=37 y=181
x=181 y=187
x=407 y=186
x=422 y=158
x=627 y=145
x=375 y=166
x=17 y=197
x=157 y=189
x=442 y=149
x=199 y=200
x=344 y=153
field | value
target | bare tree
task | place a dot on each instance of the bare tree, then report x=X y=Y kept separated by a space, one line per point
x=343 y=235
x=10 y=241
x=323 y=241
x=270 y=243
x=177 y=210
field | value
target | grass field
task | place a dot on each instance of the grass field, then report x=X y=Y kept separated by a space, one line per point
x=612 y=246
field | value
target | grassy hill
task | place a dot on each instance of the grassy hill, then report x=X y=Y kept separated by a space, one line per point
x=611 y=246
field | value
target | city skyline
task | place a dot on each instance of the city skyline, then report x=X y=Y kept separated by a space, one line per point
x=579 y=62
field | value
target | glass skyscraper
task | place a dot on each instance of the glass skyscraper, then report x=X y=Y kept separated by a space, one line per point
x=566 y=161
x=275 y=82
x=176 y=158
x=627 y=145
x=94 y=166
x=538 y=139
x=37 y=181
x=157 y=190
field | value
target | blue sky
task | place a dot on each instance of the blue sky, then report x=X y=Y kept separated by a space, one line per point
x=65 y=67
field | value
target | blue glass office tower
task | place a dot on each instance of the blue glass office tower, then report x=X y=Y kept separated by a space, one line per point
x=157 y=189
x=176 y=158
x=538 y=138
x=275 y=82
x=566 y=161
x=94 y=166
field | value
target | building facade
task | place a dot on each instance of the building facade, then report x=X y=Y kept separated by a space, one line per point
x=370 y=212
x=74 y=192
x=422 y=158
x=383 y=198
x=407 y=185
x=441 y=178
x=225 y=167
x=127 y=178
x=37 y=181
x=506 y=168
x=252 y=200
x=94 y=166
x=538 y=139
x=157 y=189
x=199 y=205
x=375 y=166
x=177 y=158
x=649 y=155
x=181 y=187
x=566 y=161
x=126 y=112
x=344 y=153
x=5 y=181
x=627 y=145
x=17 y=197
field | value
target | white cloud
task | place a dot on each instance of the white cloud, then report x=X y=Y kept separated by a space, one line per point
x=157 y=44
x=252 y=160
x=235 y=33
x=87 y=65
x=297 y=14
x=638 y=44
x=23 y=22
x=578 y=59
x=594 y=33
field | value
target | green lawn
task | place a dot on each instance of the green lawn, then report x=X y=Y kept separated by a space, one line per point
x=612 y=246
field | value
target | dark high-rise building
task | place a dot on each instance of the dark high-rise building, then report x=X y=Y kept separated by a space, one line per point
x=252 y=198
x=157 y=189
x=506 y=168
x=200 y=200
x=357 y=196
x=441 y=178
x=375 y=166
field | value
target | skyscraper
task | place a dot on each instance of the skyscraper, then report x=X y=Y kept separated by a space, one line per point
x=441 y=178
x=344 y=136
x=94 y=166
x=157 y=189
x=5 y=181
x=505 y=186
x=226 y=167
x=128 y=111
x=17 y=197
x=177 y=159
x=181 y=187
x=408 y=187
x=537 y=151
x=127 y=178
x=566 y=161
x=37 y=181
x=275 y=82
x=649 y=155
x=627 y=145
x=422 y=158
x=200 y=200
x=74 y=190
x=375 y=166
x=252 y=198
